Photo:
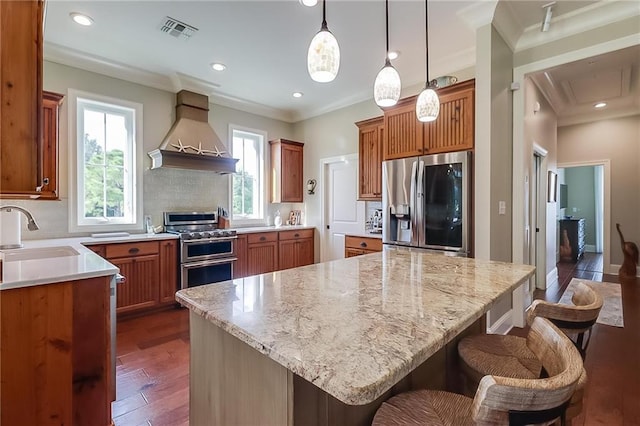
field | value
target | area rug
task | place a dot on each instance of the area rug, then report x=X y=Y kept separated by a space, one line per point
x=611 y=312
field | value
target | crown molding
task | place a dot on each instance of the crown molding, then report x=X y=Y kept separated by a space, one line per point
x=171 y=83
x=597 y=116
x=551 y=93
x=507 y=24
x=478 y=14
x=576 y=22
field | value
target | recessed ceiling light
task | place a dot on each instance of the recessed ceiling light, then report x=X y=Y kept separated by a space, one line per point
x=308 y=3
x=393 y=54
x=297 y=94
x=600 y=105
x=81 y=18
x=218 y=66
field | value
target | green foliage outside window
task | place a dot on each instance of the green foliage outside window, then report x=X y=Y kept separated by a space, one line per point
x=243 y=184
x=103 y=181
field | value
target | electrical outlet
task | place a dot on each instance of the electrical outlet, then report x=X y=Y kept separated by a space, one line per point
x=502 y=207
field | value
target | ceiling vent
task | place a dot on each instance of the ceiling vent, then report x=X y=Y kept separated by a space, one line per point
x=177 y=29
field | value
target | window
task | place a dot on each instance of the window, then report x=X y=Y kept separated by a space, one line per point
x=248 y=183
x=107 y=185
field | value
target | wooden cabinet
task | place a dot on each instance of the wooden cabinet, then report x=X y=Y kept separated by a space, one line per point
x=168 y=271
x=453 y=130
x=571 y=239
x=240 y=266
x=370 y=137
x=21 y=97
x=356 y=245
x=50 y=105
x=286 y=171
x=295 y=248
x=262 y=253
x=56 y=354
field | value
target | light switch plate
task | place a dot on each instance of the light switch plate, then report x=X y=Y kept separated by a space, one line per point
x=502 y=207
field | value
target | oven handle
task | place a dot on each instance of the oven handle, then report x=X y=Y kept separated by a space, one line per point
x=208 y=262
x=209 y=241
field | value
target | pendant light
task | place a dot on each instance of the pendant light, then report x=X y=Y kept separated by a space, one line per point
x=428 y=104
x=323 y=58
x=386 y=89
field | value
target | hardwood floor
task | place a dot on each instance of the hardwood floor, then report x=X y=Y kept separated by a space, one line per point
x=153 y=361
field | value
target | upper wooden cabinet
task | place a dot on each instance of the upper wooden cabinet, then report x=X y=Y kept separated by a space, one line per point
x=453 y=130
x=286 y=171
x=50 y=105
x=21 y=97
x=370 y=136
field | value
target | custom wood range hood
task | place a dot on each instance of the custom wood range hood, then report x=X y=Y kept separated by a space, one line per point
x=191 y=142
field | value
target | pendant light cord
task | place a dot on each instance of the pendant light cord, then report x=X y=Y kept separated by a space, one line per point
x=324 y=14
x=426 y=37
x=386 y=3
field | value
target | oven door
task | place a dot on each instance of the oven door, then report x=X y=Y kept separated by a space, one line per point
x=192 y=251
x=207 y=272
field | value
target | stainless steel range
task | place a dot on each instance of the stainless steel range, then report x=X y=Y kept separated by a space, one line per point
x=207 y=254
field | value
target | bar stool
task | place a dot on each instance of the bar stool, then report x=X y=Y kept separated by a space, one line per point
x=512 y=356
x=498 y=400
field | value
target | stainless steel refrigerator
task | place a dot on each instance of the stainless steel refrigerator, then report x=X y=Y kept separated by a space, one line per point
x=425 y=202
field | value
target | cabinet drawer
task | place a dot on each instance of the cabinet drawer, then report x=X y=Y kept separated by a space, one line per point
x=132 y=249
x=363 y=243
x=296 y=235
x=262 y=237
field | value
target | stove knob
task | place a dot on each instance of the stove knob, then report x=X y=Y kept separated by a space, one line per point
x=192 y=235
x=205 y=234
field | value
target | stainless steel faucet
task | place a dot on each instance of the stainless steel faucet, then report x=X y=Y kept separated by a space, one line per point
x=31 y=224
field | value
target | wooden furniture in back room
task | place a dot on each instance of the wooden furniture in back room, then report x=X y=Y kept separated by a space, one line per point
x=571 y=239
x=453 y=130
x=286 y=171
x=370 y=136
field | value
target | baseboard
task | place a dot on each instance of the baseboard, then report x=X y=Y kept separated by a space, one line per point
x=552 y=278
x=503 y=325
x=614 y=269
x=591 y=248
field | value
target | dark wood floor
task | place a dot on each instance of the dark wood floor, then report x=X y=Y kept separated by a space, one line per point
x=153 y=361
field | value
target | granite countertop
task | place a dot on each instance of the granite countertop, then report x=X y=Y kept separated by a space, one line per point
x=86 y=264
x=354 y=327
x=254 y=229
x=364 y=235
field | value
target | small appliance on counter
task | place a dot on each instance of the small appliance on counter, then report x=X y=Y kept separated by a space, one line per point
x=374 y=225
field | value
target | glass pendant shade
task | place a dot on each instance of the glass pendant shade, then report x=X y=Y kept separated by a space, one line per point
x=323 y=58
x=386 y=89
x=428 y=105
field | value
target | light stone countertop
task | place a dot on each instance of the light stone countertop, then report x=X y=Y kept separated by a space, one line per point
x=364 y=235
x=355 y=327
x=87 y=264
x=254 y=229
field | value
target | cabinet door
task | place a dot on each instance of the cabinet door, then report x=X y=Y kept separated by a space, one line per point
x=240 y=267
x=20 y=97
x=140 y=290
x=370 y=161
x=169 y=271
x=351 y=252
x=453 y=129
x=287 y=253
x=304 y=252
x=262 y=258
x=50 y=104
x=291 y=173
x=402 y=131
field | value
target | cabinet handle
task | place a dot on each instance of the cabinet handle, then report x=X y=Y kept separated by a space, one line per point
x=296 y=235
x=45 y=182
x=363 y=244
x=134 y=250
x=263 y=238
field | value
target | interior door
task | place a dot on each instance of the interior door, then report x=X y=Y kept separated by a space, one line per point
x=346 y=215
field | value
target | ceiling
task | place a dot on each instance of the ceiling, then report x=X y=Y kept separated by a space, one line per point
x=264 y=46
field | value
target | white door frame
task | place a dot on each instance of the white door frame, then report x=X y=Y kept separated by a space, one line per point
x=541 y=217
x=606 y=253
x=324 y=175
x=523 y=150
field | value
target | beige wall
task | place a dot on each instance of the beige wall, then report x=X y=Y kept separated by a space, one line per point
x=541 y=128
x=617 y=140
x=164 y=189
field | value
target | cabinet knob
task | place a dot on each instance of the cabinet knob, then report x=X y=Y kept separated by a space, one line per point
x=134 y=250
x=363 y=244
x=263 y=238
x=296 y=235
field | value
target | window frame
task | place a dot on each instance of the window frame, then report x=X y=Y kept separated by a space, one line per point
x=76 y=166
x=263 y=175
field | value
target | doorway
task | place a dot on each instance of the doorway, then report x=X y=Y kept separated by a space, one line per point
x=538 y=219
x=342 y=212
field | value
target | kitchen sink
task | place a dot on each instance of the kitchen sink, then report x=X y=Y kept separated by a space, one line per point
x=39 y=253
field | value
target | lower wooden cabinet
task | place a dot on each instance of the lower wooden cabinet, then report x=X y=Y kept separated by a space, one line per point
x=355 y=245
x=240 y=267
x=56 y=354
x=151 y=272
x=295 y=249
x=262 y=253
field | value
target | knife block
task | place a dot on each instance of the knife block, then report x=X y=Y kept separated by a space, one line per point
x=223 y=223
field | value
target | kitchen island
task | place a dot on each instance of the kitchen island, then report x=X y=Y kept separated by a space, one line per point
x=327 y=343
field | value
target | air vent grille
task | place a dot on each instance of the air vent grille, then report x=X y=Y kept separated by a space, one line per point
x=177 y=29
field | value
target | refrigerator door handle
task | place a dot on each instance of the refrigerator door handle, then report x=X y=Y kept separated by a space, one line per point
x=412 y=205
x=420 y=216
